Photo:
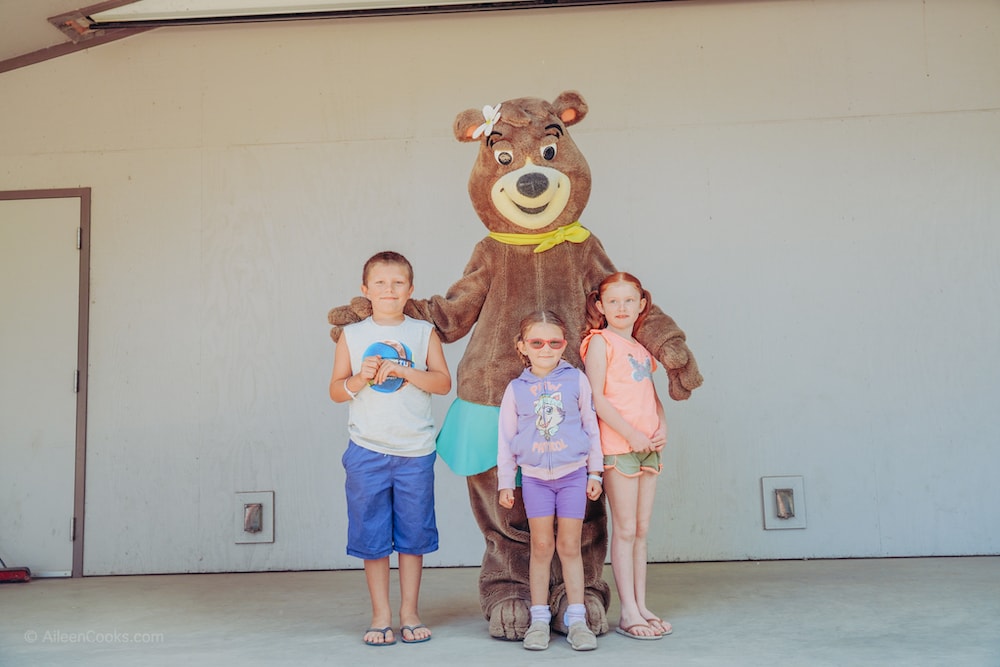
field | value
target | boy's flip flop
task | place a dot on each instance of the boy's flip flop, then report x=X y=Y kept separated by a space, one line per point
x=412 y=629
x=383 y=631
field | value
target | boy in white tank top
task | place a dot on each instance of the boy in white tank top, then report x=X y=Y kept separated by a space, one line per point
x=387 y=366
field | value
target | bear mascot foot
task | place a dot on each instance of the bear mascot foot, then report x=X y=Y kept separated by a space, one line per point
x=509 y=619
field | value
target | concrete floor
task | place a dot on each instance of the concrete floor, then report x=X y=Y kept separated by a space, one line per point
x=922 y=611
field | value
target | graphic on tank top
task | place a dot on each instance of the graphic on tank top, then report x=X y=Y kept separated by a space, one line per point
x=641 y=370
x=395 y=351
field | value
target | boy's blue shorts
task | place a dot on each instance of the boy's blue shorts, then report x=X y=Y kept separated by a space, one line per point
x=390 y=503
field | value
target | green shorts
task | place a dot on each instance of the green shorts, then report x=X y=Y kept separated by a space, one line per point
x=634 y=464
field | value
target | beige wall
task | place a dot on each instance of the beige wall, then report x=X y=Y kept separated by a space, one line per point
x=809 y=187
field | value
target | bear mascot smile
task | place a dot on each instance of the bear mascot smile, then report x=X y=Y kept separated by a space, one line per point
x=529 y=186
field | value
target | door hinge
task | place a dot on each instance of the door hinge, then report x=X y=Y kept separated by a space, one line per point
x=79 y=238
x=72 y=530
x=76 y=382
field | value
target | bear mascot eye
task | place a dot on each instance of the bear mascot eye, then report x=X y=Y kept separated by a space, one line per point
x=504 y=157
x=549 y=152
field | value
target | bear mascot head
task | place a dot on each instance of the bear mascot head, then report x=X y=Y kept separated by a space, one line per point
x=529 y=186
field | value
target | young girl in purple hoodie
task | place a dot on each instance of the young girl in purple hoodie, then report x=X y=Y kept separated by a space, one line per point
x=548 y=428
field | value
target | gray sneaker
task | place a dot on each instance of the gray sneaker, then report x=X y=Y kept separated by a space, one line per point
x=537 y=636
x=581 y=638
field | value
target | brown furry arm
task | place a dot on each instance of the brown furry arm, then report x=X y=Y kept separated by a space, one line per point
x=455 y=313
x=664 y=339
x=341 y=316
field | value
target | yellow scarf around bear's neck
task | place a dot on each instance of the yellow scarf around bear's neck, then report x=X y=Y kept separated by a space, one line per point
x=573 y=232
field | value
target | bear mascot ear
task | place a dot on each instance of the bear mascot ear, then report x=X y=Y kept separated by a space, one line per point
x=466 y=124
x=470 y=126
x=570 y=107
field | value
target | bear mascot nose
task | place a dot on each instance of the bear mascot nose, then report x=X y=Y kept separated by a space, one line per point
x=532 y=184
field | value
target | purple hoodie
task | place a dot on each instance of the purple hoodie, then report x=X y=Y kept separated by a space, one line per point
x=548 y=426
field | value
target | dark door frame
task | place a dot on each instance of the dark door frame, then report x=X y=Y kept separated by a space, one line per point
x=83 y=338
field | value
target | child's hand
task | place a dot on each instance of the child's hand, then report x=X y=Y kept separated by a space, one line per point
x=386 y=369
x=594 y=489
x=369 y=367
x=639 y=443
x=507 y=498
x=659 y=438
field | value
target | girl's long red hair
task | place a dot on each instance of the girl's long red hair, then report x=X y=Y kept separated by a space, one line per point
x=596 y=320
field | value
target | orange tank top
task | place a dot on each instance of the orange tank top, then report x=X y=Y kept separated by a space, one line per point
x=628 y=386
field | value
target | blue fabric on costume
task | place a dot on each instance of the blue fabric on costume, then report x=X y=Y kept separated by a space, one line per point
x=468 y=438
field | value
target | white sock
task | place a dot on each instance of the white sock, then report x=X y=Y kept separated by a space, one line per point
x=575 y=613
x=540 y=612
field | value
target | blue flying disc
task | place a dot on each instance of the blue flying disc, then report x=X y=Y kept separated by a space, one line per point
x=393 y=351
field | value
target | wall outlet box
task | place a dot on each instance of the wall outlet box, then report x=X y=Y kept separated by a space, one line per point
x=784 y=502
x=254 y=517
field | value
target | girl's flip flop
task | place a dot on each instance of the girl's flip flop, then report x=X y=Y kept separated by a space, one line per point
x=659 y=625
x=628 y=632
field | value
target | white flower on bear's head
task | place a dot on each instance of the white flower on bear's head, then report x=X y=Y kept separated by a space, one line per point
x=492 y=116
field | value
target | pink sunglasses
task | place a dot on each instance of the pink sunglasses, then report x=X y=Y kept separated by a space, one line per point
x=539 y=343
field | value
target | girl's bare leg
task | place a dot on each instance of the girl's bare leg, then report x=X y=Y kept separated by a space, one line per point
x=542 y=531
x=644 y=513
x=568 y=546
x=623 y=497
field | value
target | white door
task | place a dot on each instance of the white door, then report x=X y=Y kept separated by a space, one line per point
x=39 y=314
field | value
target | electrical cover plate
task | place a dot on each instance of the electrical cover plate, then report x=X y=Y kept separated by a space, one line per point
x=772 y=507
x=266 y=533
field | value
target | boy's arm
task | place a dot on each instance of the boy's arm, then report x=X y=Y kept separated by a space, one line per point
x=343 y=376
x=345 y=383
x=435 y=380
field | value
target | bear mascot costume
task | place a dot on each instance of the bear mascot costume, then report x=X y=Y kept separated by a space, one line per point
x=529 y=186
